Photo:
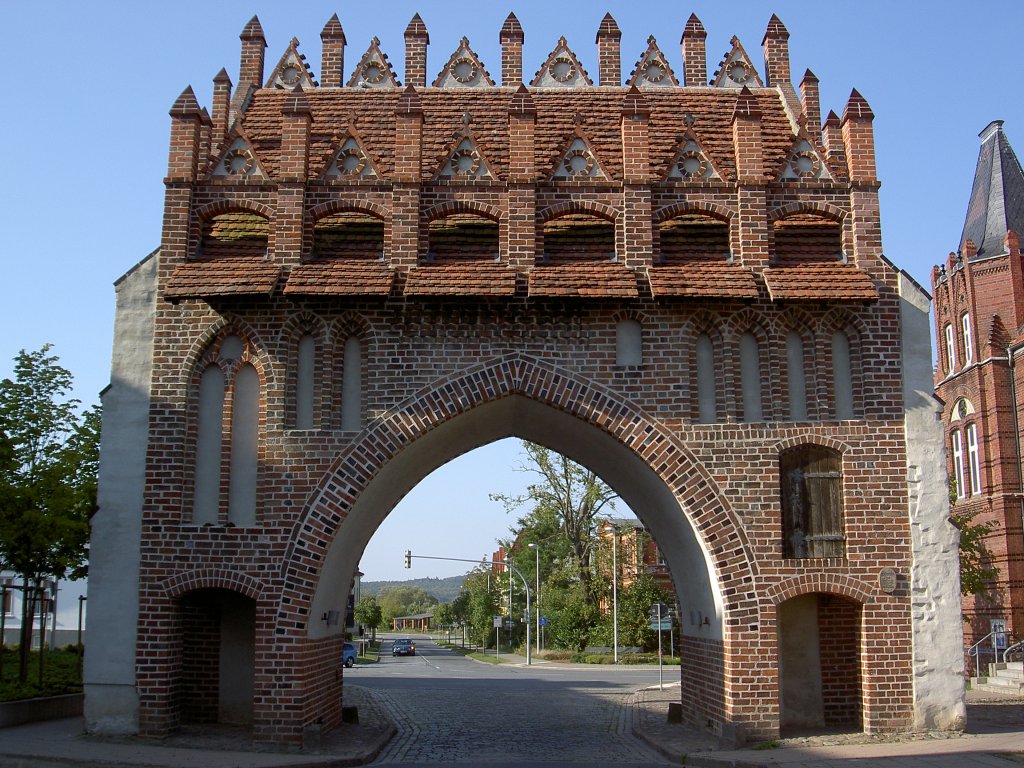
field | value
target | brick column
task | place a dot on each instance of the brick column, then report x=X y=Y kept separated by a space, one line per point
x=296 y=118
x=608 y=52
x=636 y=225
x=332 y=57
x=416 y=42
x=182 y=171
x=695 y=55
x=775 y=44
x=810 y=105
x=405 y=209
x=832 y=135
x=521 y=222
x=221 y=107
x=511 y=38
x=859 y=143
x=254 y=45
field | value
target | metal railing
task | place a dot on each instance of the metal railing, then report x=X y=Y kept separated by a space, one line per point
x=1019 y=646
x=975 y=650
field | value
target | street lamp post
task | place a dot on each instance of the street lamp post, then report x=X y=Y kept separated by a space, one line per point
x=536 y=552
x=615 y=589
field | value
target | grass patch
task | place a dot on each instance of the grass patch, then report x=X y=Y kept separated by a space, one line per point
x=60 y=675
x=487 y=658
x=770 y=744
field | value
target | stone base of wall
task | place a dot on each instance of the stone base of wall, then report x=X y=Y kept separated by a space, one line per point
x=46 y=708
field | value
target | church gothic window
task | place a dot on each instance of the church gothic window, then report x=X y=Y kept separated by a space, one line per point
x=973 y=464
x=958 y=463
x=950 y=351
x=812 y=502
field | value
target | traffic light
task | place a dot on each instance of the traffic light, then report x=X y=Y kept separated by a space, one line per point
x=408 y=558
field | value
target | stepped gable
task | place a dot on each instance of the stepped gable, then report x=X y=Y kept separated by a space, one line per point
x=997 y=196
x=373 y=114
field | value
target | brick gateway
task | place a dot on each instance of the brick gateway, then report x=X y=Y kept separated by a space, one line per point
x=676 y=283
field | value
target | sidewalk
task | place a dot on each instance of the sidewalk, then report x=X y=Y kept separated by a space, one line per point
x=995 y=739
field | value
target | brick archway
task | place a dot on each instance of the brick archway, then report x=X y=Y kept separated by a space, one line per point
x=518 y=396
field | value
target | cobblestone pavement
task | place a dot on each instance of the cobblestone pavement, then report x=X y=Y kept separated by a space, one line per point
x=475 y=721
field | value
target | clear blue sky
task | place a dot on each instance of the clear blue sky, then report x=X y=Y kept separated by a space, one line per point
x=85 y=130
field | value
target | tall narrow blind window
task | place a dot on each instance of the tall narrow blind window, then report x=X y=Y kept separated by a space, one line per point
x=209 y=439
x=305 y=374
x=245 y=419
x=842 y=376
x=750 y=374
x=352 y=386
x=707 y=412
x=796 y=376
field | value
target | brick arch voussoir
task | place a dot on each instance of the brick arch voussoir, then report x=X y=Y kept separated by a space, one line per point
x=843 y=585
x=630 y=314
x=332 y=207
x=749 y=320
x=714 y=210
x=212 y=578
x=351 y=323
x=842 y=319
x=227 y=205
x=558 y=210
x=811 y=438
x=828 y=211
x=488 y=382
x=301 y=323
x=451 y=207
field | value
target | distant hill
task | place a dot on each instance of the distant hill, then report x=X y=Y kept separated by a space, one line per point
x=445 y=590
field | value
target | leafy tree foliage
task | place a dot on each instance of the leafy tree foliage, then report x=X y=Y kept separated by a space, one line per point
x=402 y=600
x=369 y=614
x=566 y=498
x=976 y=569
x=49 y=454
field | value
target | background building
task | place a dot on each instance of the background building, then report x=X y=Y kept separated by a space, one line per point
x=979 y=323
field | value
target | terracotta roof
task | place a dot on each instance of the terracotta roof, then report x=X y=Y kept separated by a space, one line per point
x=584 y=280
x=372 y=113
x=703 y=279
x=820 y=281
x=340 y=278
x=462 y=279
x=223 y=277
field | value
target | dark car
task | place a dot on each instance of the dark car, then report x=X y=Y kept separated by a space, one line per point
x=348 y=654
x=403 y=647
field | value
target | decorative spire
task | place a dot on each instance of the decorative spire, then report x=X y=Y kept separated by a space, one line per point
x=776 y=30
x=746 y=106
x=693 y=29
x=185 y=106
x=253 y=30
x=332 y=30
x=997 y=197
x=511 y=29
x=857 y=108
x=608 y=28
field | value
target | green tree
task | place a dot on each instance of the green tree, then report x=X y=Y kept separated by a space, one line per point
x=48 y=463
x=635 y=603
x=478 y=605
x=369 y=614
x=403 y=600
x=976 y=569
x=444 y=616
x=567 y=498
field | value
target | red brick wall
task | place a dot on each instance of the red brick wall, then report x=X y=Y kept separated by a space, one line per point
x=839 y=629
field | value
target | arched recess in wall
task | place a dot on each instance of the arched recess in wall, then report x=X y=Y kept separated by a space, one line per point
x=797 y=335
x=629 y=341
x=234 y=233
x=693 y=236
x=707 y=381
x=750 y=350
x=573 y=234
x=461 y=233
x=842 y=341
x=228 y=408
x=348 y=234
x=307 y=379
x=351 y=347
x=802 y=236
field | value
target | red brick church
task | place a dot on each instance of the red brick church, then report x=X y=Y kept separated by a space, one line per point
x=979 y=323
x=670 y=273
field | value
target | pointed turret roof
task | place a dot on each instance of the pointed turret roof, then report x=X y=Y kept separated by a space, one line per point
x=997 y=198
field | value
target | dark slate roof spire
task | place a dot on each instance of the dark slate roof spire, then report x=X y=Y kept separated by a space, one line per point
x=997 y=198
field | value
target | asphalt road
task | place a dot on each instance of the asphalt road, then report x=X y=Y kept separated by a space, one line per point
x=450 y=709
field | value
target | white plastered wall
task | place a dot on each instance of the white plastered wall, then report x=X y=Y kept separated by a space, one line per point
x=935 y=573
x=111 y=700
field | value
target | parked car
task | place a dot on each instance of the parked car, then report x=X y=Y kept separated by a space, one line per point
x=403 y=647
x=348 y=654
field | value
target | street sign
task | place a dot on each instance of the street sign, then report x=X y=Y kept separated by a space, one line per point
x=543 y=621
x=497 y=622
x=664 y=626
